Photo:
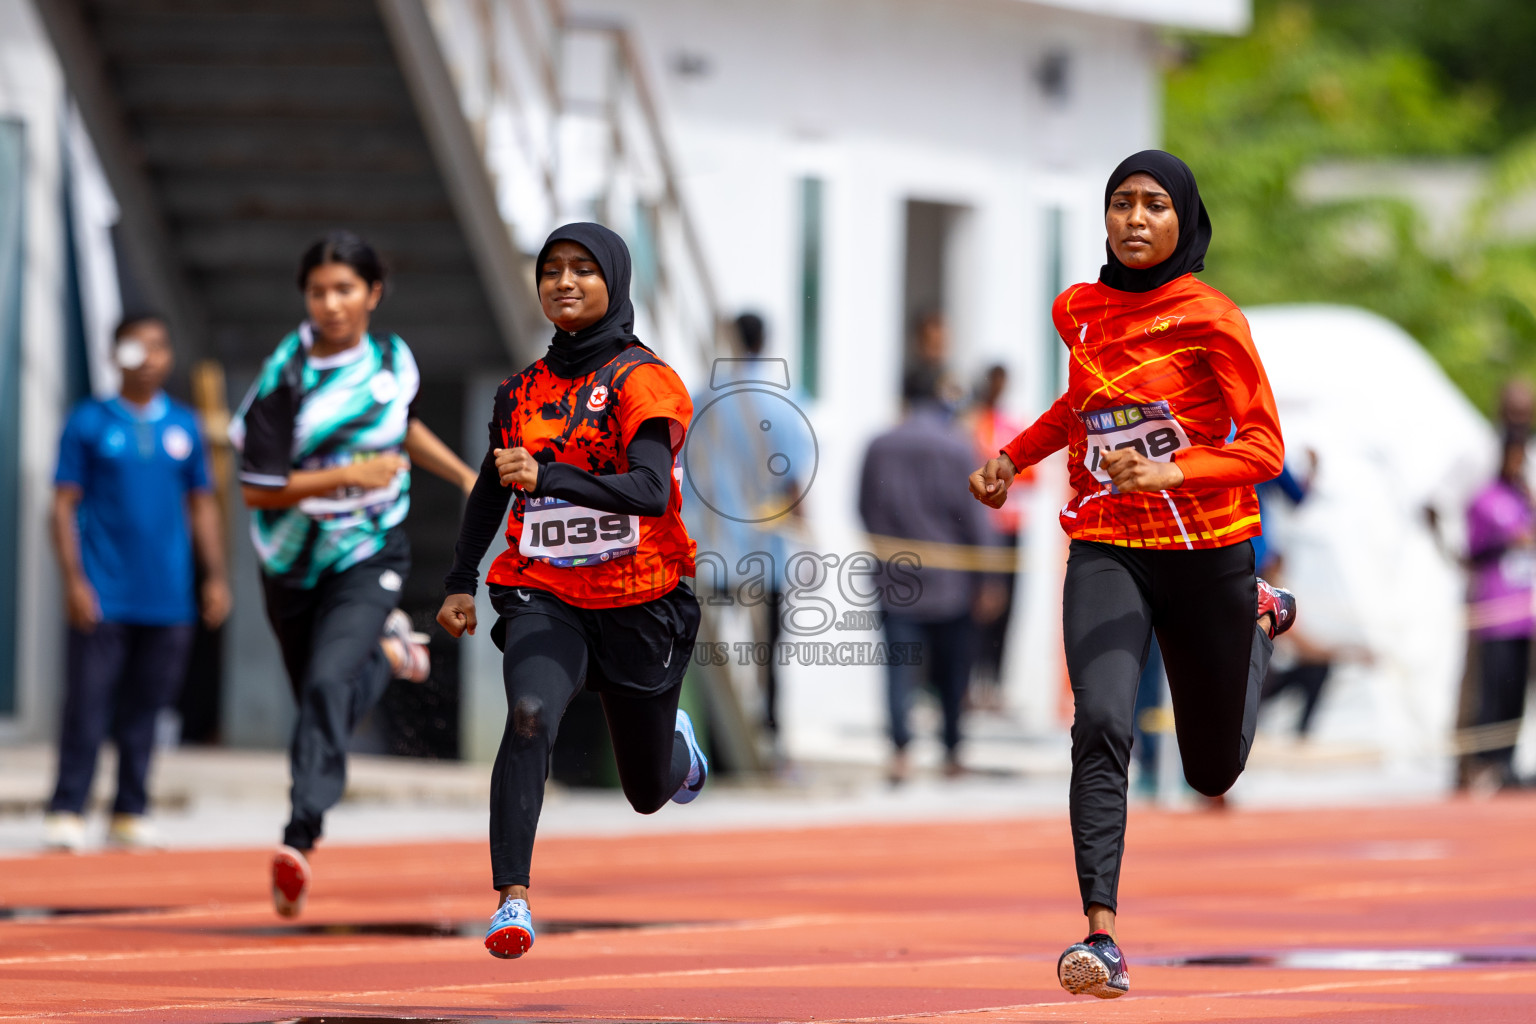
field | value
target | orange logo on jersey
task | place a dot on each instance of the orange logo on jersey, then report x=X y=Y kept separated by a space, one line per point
x=1162 y=323
x=597 y=399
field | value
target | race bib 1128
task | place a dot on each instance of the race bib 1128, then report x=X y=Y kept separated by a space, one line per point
x=1151 y=429
x=570 y=536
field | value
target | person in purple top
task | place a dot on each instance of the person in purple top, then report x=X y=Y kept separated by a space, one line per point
x=1501 y=542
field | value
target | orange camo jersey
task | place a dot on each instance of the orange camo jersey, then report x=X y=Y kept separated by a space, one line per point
x=588 y=422
x=1184 y=344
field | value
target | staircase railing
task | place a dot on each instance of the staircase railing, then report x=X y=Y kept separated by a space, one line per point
x=568 y=126
x=567 y=122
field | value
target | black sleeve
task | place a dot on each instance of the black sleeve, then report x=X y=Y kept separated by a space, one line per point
x=643 y=491
x=266 y=458
x=483 y=513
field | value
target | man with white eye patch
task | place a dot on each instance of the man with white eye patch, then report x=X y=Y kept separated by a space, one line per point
x=131 y=501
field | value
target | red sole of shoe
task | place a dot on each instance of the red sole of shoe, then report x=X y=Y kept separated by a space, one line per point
x=289 y=877
x=508 y=943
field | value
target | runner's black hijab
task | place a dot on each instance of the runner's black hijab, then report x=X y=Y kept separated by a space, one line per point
x=578 y=353
x=1194 y=223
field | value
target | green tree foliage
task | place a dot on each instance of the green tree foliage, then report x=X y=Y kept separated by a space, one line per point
x=1485 y=43
x=1252 y=114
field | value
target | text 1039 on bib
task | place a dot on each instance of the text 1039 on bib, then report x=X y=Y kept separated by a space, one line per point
x=570 y=536
x=1150 y=428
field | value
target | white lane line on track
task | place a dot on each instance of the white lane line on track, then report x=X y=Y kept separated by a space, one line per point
x=1293 y=990
x=552 y=983
x=778 y=923
x=557 y=983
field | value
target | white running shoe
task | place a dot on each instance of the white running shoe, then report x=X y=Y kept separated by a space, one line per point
x=64 y=831
x=698 y=764
x=414 y=654
x=511 y=931
x=133 y=832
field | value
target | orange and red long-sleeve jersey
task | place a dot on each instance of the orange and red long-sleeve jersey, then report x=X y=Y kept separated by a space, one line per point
x=1184 y=344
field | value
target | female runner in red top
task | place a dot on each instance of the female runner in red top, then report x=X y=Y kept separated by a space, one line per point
x=589 y=590
x=1162 y=369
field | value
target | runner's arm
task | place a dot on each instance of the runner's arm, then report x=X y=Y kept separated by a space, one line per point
x=1257 y=453
x=1050 y=433
x=643 y=491
x=487 y=504
x=428 y=451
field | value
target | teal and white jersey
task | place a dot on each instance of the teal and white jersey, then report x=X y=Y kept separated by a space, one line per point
x=309 y=413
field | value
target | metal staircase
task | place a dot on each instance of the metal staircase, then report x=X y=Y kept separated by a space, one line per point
x=235 y=133
x=566 y=122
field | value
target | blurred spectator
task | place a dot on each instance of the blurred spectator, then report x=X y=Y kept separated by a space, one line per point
x=908 y=503
x=1266 y=552
x=761 y=469
x=1501 y=543
x=930 y=355
x=991 y=428
x=131 y=496
x=1514 y=412
x=1517 y=405
x=1303 y=665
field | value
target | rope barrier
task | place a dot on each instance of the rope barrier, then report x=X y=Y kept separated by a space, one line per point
x=938 y=555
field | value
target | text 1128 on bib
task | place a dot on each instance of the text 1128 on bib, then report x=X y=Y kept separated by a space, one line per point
x=1150 y=428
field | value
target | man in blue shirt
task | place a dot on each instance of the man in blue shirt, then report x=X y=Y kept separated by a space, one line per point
x=131 y=496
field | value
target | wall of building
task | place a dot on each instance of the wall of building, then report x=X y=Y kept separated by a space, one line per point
x=31 y=92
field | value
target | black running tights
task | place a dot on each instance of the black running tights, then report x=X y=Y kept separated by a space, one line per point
x=544 y=664
x=1202 y=605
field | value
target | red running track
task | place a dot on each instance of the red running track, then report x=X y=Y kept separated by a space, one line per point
x=961 y=922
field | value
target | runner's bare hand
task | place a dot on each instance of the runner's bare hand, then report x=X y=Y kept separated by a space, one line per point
x=990 y=483
x=517 y=468
x=371 y=474
x=457 y=615
x=1130 y=472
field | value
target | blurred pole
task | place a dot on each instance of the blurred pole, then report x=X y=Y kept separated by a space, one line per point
x=1170 y=766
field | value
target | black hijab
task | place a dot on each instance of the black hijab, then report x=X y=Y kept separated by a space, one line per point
x=578 y=353
x=1194 y=223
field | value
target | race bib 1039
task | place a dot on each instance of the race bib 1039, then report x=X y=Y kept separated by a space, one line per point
x=1151 y=429
x=570 y=536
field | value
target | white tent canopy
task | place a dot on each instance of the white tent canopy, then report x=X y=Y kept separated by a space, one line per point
x=1393 y=436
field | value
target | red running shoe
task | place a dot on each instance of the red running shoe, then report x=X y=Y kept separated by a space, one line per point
x=1279 y=603
x=290 y=881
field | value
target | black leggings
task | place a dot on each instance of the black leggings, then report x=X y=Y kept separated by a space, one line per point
x=545 y=661
x=330 y=640
x=1506 y=666
x=1202 y=604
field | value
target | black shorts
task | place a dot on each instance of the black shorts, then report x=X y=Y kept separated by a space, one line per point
x=638 y=650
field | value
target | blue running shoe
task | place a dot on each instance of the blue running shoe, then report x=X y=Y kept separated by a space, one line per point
x=698 y=764
x=511 y=933
x=1094 y=967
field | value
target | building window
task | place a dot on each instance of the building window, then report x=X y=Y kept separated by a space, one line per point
x=1054 y=364
x=811 y=191
x=12 y=181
